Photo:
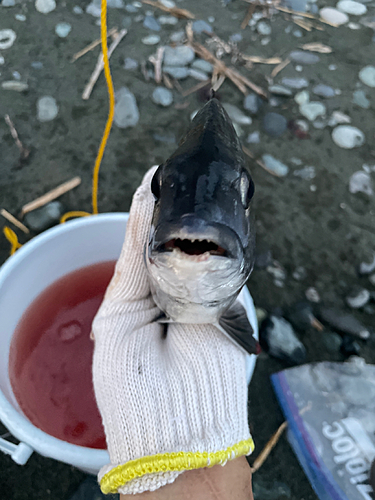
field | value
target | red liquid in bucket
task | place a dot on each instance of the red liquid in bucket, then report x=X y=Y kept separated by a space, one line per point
x=51 y=356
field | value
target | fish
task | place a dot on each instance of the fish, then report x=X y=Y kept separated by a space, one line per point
x=201 y=245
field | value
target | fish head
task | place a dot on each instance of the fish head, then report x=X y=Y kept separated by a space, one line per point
x=201 y=245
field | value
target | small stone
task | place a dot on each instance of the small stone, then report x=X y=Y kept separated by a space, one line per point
x=295 y=83
x=279 y=339
x=323 y=90
x=169 y=20
x=302 y=97
x=320 y=123
x=280 y=90
x=350 y=347
x=131 y=8
x=311 y=110
x=2 y=60
x=126 y=110
x=333 y=16
x=47 y=109
x=360 y=99
x=236 y=114
x=298 y=33
x=367 y=267
x=178 y=56
x=15 y=85
x=306 y=173
x=302 y=57
x=162 y=96
x=277 y=271
x=93 y=10
x=137 y=19
x=332 y=67
x=151 y=40
x=45 y=6
x=264 y=28
x=296 y=161
x=352 y=7
x=77 y=9
x=348 y=137
x=200 y=26
x=342 y=321
x=360 y=182
x=332 y=341
x=126 y=22
x=253 y=138
x=299 y=273
x=8 y=3
x=151 y=23
x=265 y=41
x=253 y=103
x=167 y=138
x=178 y=36
x=168 y=3
x=36 y=65
x=358 y=298
x=338 y=117
x=202 y=65
x=20 y=17
x=176 y=72
x=236 y=38
x=42 y=218
x=7 y=38
x=130 y=63
x=275 y=165
x=312 y=295
x=367 y=76
x=198 y=75
x=274 y=124
x=63 y=29
x=354 y=26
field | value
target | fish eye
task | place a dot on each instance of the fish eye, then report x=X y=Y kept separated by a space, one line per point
x=246 y=189
x=155 y=185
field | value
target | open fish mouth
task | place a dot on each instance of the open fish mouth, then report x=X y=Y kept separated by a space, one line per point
x=194 y=247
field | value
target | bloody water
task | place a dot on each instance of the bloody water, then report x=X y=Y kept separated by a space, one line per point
x=51 y=356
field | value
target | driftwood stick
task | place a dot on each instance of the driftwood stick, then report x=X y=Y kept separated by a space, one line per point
x=13 y=220
x=249 y=15
x=174 y=11
x=156 y=61
x=196 y=87
x=92 y=45
x=100 y=65
x=51 y=195
x=24 y=152
x=268 y=448
x=279 y=68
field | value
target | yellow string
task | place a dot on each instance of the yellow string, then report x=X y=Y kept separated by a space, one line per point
x=11 y=236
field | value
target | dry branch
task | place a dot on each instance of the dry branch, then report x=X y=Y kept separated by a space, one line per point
x=249 y=15
x=174 y=11
x=279 y=68
x=92 y=45
x=13 y=220
x=24 y=152
x=317 y=47
x=156 y=61
x=268 y=448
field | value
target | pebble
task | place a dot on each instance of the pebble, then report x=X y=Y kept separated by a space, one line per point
x=302 y=97
x=312 y=295
x=47 y=109
x=36 y=65
x=176 y=72
x=279 y=339
x=7 y=38
x=130 y=63
x=302 y=57
x=337 y=118
x=42 y=218
x=295 y=83
x=178 y=36
x=178 y=56
x=151 y=23
x=8 y=3
x=168 y=138
x=306 y=173
x=349 y=347
x=202 y=65
x=360 y=99
x=354 y=26
x=162 y=96
x=63 y=29
x=275 y=165
x=77 y=9
x=348 y=137
x=299 y=273
x=367 y=76
x=236 y=114
x=236 y=38
x=20 y=17
x=274 y=124
x=264 y=28
x=265 y=41
x=15 y=85
x=280 y=90
x=198 y=75
x=131 y=8
x=45 y=6
x=126 y=110
x=342 y=321
x=333 y=16
x=323 y=90
x=298 y=33
x=200 y=26
x=253 y=103
x=168 y=3
x=170 y=20
x=253 y=138
x=2 y=60
x=360 y=182
x=151 y=40
x=367 y=267
x=358 y=298
x=352 y=7
x=311 y=110
x=93 y=9
x=332 y=341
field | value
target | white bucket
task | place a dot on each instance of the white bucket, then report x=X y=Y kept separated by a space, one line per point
x=23 y=277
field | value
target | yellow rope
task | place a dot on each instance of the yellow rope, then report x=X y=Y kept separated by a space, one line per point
x=11 y=236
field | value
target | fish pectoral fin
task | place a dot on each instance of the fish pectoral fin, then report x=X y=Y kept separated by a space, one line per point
x=236 y=326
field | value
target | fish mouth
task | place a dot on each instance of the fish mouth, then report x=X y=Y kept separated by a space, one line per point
x=194 y=247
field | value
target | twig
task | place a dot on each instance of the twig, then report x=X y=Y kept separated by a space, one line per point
x=92 y=45
x=51 y=195
x=315 y=323
x=156 y=61
x=24 y=152
x=196 y=87
x=144 y=71
x=100 y=65
x=303 y=24
x=269 y=447
x=13 y=220
x=304 y=14
x=218 y=83
x=174 y=11
x=279 y=68
x=262 y=60
x=167 y=81
x=177 y=86
x=249 y=15
x=317 y=47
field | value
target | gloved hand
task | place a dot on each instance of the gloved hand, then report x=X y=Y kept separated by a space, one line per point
x=169 y=402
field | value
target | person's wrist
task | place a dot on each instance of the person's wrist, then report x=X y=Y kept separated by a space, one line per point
x=229 y=482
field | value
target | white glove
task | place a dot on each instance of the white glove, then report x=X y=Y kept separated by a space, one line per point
x=169 y=403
